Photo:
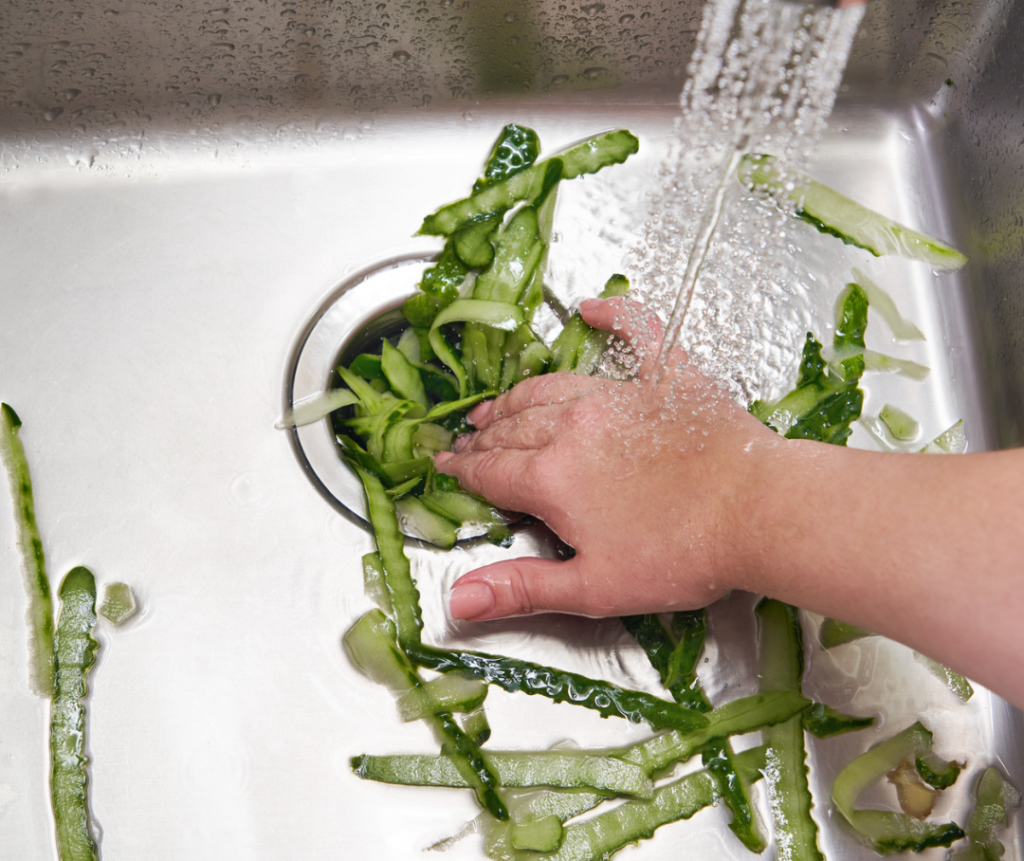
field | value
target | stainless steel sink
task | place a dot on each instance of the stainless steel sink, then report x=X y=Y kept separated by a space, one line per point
x=183 y=186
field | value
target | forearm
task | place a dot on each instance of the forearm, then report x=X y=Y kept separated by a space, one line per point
x=926 y=550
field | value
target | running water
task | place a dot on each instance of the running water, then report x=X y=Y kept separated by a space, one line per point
x=763 y=78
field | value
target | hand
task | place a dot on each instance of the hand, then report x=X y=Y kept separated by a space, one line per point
x=649 y=481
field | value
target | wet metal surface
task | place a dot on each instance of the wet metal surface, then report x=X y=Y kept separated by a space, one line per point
x=163 y=253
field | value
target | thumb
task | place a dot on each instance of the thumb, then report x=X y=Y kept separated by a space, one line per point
x=519 y=587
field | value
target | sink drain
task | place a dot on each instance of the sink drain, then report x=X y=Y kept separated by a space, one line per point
x=352 y=320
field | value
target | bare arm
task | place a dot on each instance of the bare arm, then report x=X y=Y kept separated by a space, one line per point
x=673 y=495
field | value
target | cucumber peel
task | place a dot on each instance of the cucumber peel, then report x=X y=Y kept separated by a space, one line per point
x=832 y=213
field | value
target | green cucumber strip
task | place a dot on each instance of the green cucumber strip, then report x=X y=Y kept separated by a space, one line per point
x=371 y=646
x=310 y=410
x=500 y=315
x=118 y=604
x=995 y=799
x=371 y=402
x=33 y=559
x=516 y=254
x=403 y=376
x=472 y=241
x=420 y=309
x=430 y=438
x=405 y=598
x=738 y=717
x=566 y=769
x=367 y=366
x=441 y=281
x=515 y=150
x=883 y=830
x=419 y=521
x=823 y=721
x=532 y=362
x=951 y=441
x=781 y=667
x=397 y=442
x=537 y=835
x=936 y=771
x=476 y=725
x=957 y=684
x=406 y=487
x=676 y=664
x=450 y=693
x=600 y=836
x=578 y=347
x=529 y=804
x=497 y=198
x=902 y=426
x=374 y=586
x=882 y=303
x=74 y=655
x=408 y=345
x=514 y=675
x=834 y=633
x=832 y=213
x=463 y=509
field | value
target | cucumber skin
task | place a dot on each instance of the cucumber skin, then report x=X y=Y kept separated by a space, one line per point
x=75 y=653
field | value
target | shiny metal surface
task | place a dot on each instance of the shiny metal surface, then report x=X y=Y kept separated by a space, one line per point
x=182 y=188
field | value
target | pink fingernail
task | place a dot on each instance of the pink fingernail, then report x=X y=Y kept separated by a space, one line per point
x=469 y=601
x=442 y=457
x=479 y=413
x=462 y=442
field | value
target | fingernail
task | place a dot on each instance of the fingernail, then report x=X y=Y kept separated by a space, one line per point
x=587 y=304
x=462 y=442
x=442 y=457
x=479 y=413
x=468 y=601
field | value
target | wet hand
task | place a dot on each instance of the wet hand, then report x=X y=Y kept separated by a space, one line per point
x=649 y=480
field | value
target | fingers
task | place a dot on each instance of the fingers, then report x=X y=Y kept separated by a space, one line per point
x=638 y=326
x=502 y=477
x=519 y=587
x=630 y=321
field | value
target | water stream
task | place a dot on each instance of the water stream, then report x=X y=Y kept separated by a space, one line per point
x=763 y=78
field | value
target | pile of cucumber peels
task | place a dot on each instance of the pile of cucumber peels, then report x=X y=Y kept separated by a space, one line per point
x=469 y=337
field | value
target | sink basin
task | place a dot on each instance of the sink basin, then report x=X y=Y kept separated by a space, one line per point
x=182 y=188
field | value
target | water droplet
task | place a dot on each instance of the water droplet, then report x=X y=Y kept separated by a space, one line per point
x=214 y=99
x=52 y=114
x=70 y=94
x=626 y=19
x=401 y=56
x=510 y=17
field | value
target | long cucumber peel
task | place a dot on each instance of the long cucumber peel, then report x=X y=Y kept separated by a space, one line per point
x=505 y=316
x=738 y=717
x=832 y=213
x=449 y=693
x=834 y=633
x=398 y=580
x=589 y=156
x=33 y=559
x=995 y=800
x=781 y=660
x=886 y=831
x=823 y=721
x=601 y=836
x=552 y=768
x=962 y=689
x=676 y=664
x=372 y=648
x=605 y=698
x=74 y=655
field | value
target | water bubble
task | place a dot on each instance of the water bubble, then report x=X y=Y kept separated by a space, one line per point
x=401 y=56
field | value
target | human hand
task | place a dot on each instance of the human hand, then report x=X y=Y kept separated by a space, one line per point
x=650 y=480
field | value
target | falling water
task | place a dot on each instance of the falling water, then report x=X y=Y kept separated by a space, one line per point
x=763 y=78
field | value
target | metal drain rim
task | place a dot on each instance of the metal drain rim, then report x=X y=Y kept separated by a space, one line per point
x=349 y=310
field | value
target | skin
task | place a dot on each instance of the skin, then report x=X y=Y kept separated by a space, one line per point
x=673 y=495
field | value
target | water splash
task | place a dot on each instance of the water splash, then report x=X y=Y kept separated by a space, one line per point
x=764 y=78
